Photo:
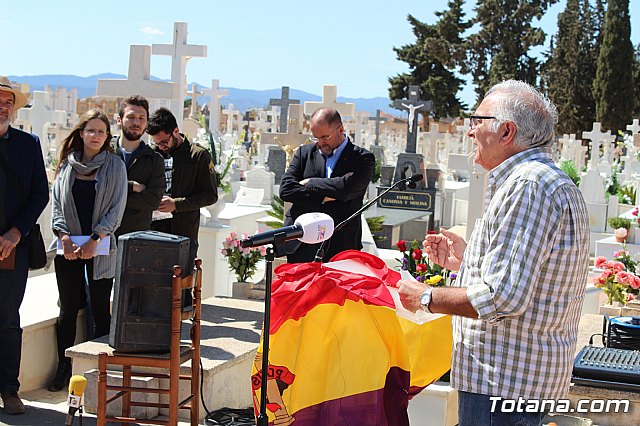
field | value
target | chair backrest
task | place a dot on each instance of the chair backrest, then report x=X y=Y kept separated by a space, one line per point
x=187 y=307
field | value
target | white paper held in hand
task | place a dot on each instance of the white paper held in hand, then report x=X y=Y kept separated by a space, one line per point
x=418 y=317
x=101 y=250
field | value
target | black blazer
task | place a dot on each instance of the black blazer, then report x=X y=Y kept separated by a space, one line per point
x=347 y=185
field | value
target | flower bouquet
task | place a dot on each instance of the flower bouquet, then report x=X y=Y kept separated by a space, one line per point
x=417 y=263
x=242 y=261
x=618 y=279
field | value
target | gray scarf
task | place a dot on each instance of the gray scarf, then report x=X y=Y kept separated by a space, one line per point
x=86 y=168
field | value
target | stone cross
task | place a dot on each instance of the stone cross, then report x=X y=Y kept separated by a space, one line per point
x=329 y=100
x=378 y=119
x=432 y=139
x=138 y=80
x=40 y=116
x=294 y=137
x=194 y=101
x=634 y=127
x=467 y=143
x=414 y=105
x=248 y=118
x=231 y=113
x=361 y=121
x=597 y=138
x=283 y=103
x=215 y=94
x=180 y=52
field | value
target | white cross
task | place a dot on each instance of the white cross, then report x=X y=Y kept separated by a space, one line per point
x=597 y=137
x=139 y=79
x=194 y=101
x=215 y=94
x=231 y=113
x=329 y=100
x=467 y=143
x=294 y=136
x=634 y=127
x=432 y=138
x=180 y=53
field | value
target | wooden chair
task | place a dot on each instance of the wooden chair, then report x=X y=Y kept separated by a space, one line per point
x=170 y=361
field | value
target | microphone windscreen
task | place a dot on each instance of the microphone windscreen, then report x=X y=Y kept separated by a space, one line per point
x=416 y=177
x=77 y=385
x=316 y=227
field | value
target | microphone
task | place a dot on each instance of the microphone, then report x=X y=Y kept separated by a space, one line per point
x=310 y=228
x=402 y=184
x=77 y=385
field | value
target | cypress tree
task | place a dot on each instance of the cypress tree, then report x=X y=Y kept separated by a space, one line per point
x=613 y=85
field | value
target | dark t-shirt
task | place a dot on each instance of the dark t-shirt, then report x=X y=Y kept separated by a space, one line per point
x=84 y=197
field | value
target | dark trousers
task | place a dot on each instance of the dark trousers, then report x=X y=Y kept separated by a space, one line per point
x=475 y=410
x=12 y=287
x=71 y=276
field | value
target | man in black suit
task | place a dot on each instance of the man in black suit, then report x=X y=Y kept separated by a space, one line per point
x=331 y=176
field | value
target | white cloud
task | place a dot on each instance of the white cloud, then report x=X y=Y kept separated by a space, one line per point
x=151 y=31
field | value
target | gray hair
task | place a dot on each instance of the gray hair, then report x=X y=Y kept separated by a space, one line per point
x=533 y=113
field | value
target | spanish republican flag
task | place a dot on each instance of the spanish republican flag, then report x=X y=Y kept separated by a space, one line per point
x=339 y=354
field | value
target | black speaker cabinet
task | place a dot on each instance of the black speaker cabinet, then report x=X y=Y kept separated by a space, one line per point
x=141 y=318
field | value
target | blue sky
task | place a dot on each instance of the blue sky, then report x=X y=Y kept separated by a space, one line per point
x=252 y=44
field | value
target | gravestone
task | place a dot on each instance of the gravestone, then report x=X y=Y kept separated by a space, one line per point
x=262 y=179
x=276 y=162
x=215 y=94
x=180 y=52
x=249 y=196
x=191 y=124
x=420 y=198
x=634 y=127
x=329 y=100
x=283 y=103
x=465 y=140
x=376 y=149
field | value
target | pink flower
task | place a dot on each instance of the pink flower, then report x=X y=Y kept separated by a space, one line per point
x=629 y=297
x=634 y=282
x=615 y=266
x=421 y=267
x=606 y=273
x=635 y=211
x=619 y=253
x=233 y=236
x=600 y=260
x=622 y=277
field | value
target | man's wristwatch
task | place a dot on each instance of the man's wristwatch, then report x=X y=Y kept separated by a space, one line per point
x=425 y=299
x=95 y=237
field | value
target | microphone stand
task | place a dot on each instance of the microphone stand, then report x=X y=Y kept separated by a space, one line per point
x=411 y=183
x=278 y=248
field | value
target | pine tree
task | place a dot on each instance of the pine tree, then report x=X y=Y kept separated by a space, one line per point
x=433 y=59
x=586 y=67
x=613 y=85
x=499 y=50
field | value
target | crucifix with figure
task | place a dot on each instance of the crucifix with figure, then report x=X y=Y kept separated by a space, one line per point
x=414 y=105
x=283 y=103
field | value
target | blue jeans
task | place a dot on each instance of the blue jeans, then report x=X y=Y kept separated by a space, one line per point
x=475 y=410
x=12 y=287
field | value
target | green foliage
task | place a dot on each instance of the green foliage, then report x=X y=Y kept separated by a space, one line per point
x=433 y=59
x=375 y=226
x=613 y=85
x=500 y=49
x=627 y=195
x=276 y=212
x=612 y=185
x=571 y=170
x=376 y=172
x=570 y=69
x=619 y=222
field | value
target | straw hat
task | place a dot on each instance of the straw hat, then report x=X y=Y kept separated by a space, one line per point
x=20 y=98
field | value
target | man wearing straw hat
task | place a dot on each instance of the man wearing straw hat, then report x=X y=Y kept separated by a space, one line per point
x=24 y=193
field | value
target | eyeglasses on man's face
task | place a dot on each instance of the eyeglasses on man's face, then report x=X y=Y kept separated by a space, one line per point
x=324 y=138
x=475 y=120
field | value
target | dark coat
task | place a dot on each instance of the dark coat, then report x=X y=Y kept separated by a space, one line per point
x=347 y=189
x=25 y=158
x=193 y=186
x=147 y=168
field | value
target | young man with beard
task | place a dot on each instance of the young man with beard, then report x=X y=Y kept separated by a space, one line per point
x=24 y=193
x=145 y=167
x=190 y=179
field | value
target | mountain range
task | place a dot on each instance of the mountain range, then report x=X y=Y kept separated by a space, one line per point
x=242 y=99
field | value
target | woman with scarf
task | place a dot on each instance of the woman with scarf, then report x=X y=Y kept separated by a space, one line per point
x=88 y=199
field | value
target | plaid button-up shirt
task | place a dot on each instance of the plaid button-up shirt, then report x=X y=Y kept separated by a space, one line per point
x=525 y=270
